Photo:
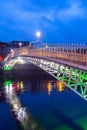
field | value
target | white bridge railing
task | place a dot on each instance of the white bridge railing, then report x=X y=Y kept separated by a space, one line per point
x=72 y=54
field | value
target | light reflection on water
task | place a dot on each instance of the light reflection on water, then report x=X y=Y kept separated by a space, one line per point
x=23 y=116
x=51 y=103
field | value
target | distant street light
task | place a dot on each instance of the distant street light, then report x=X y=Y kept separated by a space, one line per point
x=20 y=44
x=11 y=50
x=19 y=58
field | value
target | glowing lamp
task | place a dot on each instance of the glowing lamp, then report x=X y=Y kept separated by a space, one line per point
x=38 y=34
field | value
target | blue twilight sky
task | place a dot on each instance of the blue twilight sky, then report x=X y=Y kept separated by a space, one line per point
x=58 y=20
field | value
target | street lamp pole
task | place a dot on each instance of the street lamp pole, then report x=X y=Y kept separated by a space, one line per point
x=38 y=34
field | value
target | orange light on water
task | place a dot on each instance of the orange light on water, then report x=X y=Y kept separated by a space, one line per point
x=49 y=87
x=60 y=86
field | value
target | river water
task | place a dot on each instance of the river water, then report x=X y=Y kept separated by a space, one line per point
x=50 y=104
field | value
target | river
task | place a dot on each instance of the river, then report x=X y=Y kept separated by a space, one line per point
x=49 y=104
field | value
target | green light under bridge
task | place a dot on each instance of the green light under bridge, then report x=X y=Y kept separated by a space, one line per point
x=7 y=82
x=7 y=68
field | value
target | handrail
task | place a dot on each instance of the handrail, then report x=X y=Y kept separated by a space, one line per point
x=65 y=53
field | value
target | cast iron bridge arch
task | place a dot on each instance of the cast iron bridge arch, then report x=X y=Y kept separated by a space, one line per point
x=66 y=63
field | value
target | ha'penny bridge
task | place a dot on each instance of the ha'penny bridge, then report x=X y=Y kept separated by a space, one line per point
x=65 y=62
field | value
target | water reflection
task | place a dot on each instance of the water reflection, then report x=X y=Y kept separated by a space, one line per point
x=46 y=86
x=34 y=87
x=46 y=101
x=60 y=86
x=20 y=113
x=16 y=86
x=49 y=87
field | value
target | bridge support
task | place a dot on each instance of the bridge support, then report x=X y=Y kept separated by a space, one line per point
x=74 y=78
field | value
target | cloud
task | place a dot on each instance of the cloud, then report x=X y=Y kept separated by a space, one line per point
x=26 y=17
x=74 y=11
x=19 y=18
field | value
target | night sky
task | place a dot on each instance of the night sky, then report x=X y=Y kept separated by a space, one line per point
x=57 y=20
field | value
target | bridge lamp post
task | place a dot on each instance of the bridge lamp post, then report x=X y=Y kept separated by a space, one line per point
x=29 y=44
x=46 y=46
x=38 y=34
x=20 y=44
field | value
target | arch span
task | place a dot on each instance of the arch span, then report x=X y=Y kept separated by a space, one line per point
x=73 y=77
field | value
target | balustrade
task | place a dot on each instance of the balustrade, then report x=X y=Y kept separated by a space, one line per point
x=73 y=54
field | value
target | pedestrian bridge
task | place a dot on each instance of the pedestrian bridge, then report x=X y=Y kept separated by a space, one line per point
x=67 y=63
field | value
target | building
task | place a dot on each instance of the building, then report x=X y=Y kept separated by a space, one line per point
x=3 y=50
